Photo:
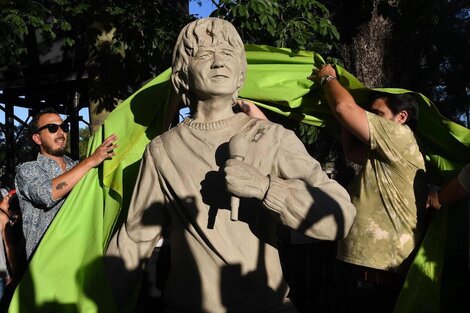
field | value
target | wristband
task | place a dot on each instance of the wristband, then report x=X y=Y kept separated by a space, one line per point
x=326 y=78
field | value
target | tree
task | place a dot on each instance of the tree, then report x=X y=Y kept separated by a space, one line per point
x=122 y=43
x=294 y=24
x=24 y=150
x=418 y=45
x=84 y=134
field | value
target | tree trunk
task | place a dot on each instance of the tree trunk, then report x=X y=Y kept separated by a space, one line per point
x=365 y=55
x=98 y=115
x=369 y=46
x=106 y=75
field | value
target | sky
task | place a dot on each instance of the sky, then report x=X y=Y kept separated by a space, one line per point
x=202 y=10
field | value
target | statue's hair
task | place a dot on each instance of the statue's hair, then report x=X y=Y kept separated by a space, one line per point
x=193 y=36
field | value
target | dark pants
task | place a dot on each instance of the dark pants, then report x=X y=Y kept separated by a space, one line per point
x=308 y=269
x=358 y=289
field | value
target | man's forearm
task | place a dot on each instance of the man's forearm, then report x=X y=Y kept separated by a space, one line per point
x=339 y=99
x=343 y=106
x=63 y=184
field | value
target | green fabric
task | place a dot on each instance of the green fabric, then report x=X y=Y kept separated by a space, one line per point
x=66 y=272
x=438 y=279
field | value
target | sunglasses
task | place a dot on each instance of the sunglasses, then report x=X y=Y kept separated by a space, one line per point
x=53 y=128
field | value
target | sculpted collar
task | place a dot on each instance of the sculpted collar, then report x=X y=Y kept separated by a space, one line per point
x=214 y=125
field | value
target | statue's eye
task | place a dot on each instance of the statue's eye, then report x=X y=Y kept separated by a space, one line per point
x=203 y=54
x=227 y=53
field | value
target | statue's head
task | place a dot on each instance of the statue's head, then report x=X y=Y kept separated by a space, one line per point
x=208 y=60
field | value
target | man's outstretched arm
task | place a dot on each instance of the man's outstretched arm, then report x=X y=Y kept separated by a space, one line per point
x=63 y=184
x=342 y=104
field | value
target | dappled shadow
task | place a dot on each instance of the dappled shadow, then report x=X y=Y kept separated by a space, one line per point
x=239 y=289
x=27 y=295
x=255 y=281
x=323 y=206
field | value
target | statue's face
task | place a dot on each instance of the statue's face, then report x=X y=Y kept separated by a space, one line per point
x=214 y=71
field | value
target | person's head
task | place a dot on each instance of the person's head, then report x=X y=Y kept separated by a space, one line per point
x=50 y=132
x=208 y=60
x=400 y=108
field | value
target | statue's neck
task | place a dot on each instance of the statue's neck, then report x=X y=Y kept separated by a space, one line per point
x=213 y=110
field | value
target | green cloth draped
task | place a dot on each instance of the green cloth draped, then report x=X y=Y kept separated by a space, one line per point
x=66 y=273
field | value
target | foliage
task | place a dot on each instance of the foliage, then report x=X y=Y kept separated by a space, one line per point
x=18 y=22
x=308 y=133
x=295 y=24
x=123 y=43
x=84 y=134
x=141 y=45
x=441 y=39
x=24 y=150
x=426 y=47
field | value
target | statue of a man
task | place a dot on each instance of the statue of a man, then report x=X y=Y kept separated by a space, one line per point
x=188 y=178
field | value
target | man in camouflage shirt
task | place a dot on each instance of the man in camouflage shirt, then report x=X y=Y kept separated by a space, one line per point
x=42 y=185
x=389 y=192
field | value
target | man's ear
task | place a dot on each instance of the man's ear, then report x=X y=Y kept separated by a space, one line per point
x=37 y=139
x=401 y=117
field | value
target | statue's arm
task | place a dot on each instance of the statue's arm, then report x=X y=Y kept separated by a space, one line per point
x=306 y=199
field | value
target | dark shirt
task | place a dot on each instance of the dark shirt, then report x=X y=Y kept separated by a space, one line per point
x=34 y=189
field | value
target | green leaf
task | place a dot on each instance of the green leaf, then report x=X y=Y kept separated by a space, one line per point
x=263 y=19
x=271 y=20
x=243 y=11
x=69 y=42
x=271 y=29
x=35 y=21
x=65 y=26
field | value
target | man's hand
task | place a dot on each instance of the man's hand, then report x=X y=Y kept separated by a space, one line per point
x=324 y=71
x=244 y=180
x=433 y=200
x=250 y=109
x=103 y=152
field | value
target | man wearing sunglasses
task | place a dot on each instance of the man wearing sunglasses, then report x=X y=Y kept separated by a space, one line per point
x=43 y=184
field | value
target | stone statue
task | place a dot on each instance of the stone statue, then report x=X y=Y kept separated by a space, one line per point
x=188 y=178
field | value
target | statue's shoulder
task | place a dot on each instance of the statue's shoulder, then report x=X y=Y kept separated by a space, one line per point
x=164 y=137
x=267 y=124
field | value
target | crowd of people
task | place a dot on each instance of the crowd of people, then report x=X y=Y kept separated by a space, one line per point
x=218 y=185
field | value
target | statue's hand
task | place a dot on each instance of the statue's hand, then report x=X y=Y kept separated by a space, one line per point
x=244 y=180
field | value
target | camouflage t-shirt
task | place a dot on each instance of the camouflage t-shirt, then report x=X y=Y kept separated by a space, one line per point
x=389 y=195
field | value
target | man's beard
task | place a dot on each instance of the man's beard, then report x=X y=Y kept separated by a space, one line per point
x=55 y=152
